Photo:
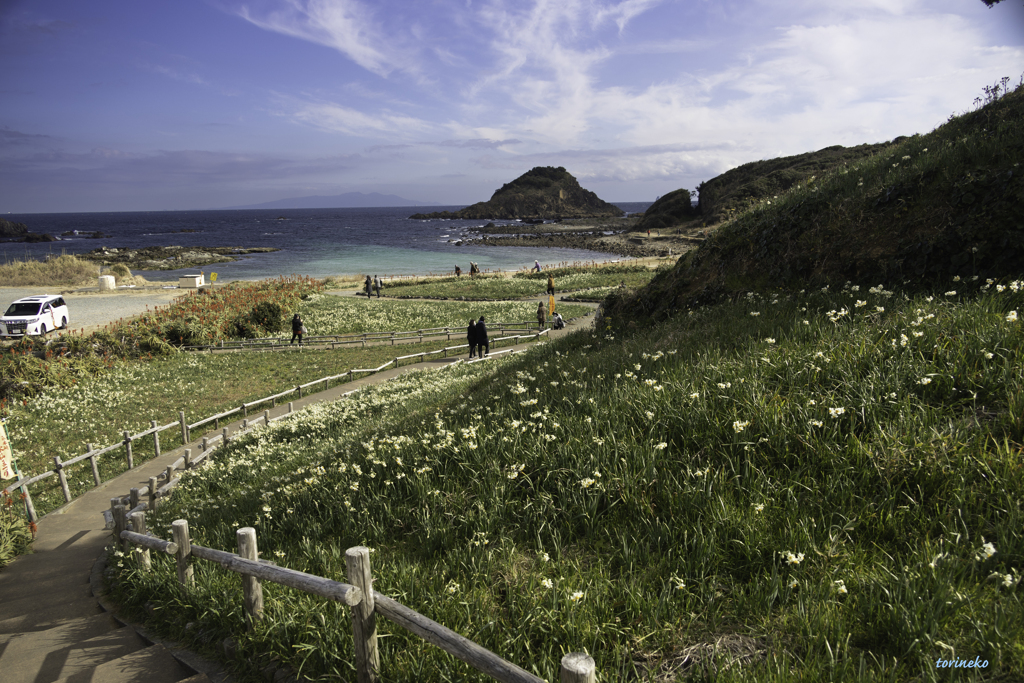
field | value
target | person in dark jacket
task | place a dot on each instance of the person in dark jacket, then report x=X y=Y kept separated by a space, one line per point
x=471 y=337
x=482 y=342
x=298 y=329
x=368 y=286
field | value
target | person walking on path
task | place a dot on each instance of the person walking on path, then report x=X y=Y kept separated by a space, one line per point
x=298 y=329
x=368 y=285
x=557 y=322
x=378 y=284
x=483 y=344
x=540 y=316
x=471 y=337
x=551 y=285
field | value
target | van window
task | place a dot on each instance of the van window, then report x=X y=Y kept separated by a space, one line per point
x=23 y=309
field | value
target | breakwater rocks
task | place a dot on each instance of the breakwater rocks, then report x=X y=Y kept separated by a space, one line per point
x=170 y=258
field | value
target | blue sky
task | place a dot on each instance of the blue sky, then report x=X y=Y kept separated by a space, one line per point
x=124 y=105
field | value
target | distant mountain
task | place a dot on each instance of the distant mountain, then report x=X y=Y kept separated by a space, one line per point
x=348 y=200
x=541 y=192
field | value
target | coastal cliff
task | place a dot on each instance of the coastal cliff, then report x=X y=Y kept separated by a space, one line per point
x=544 y=192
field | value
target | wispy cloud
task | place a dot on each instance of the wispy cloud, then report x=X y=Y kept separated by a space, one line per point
x=347 y=26
x=341 y=119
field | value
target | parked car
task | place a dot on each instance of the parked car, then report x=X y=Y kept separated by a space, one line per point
x=34 y=315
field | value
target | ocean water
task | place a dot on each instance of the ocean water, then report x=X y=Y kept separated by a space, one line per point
x=314 y=242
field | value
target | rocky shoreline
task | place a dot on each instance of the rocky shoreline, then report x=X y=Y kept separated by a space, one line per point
x=170 y=258
x=590 y=237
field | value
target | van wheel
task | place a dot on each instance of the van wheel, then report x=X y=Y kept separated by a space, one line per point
x=64 y=323
x=42 y=330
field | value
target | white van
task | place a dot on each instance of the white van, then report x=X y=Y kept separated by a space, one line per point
x=34 y=315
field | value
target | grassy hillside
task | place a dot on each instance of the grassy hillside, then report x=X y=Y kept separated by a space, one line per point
x=736 y=190
x=671 y=209
x=931 y=208
x=827 y=483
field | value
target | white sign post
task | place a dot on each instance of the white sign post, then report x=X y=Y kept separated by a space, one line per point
x=6 y=455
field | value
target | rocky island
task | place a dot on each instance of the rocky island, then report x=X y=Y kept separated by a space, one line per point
x=544 y=192
x=170 y=258
x=18 y=232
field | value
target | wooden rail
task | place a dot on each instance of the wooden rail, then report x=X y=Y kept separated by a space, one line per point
x=366 y=603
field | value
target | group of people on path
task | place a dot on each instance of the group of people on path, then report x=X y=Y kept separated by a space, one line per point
x=476 y=335
x=374 y=285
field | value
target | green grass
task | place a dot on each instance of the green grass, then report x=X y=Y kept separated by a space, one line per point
x=816 y=475
x=567 y=281
x=99 y=409
x=324 y=314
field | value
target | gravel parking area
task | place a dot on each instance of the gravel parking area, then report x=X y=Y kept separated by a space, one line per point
x=93 y=309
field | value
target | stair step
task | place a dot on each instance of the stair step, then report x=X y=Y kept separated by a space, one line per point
x=76 y=645
x=53 y=598
x=153 y=664
x=47 y=617
x=198 y=678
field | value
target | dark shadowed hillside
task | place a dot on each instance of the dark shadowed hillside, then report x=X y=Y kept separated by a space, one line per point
x=735 y=190
x=917 y=213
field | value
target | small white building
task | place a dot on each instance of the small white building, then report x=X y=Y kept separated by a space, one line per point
x=191 y=281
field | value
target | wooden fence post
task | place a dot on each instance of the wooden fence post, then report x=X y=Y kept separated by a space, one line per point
x=152 y=493
x=128 y=450
x=184 y=427
x=118 y=512
x=28 y=504
x=179 y=531
x=577 y=667
x=224 y=437
x=364 y=620
x=133 y=498
x=266 y=417
x=139 y=524
x=156 y=439
x=204 y=445
x=291 y=406
x=169 y=473
x=188 y=458
x=59 y=467
x=252 y=591
x=95 y=467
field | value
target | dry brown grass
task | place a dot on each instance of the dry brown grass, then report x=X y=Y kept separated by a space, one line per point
x=65 y=270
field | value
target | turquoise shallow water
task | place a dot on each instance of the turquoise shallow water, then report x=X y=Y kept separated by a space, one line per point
x=314 y=242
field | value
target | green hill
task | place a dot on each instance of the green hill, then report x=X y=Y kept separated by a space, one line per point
x=920 y=212
x=669 y=210
x=541 y=192
x=735 y=190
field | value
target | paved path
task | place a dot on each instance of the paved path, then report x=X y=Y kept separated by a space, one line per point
x=55 y=622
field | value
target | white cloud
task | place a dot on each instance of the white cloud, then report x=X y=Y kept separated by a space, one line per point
x=341 y=119
x=344 y=25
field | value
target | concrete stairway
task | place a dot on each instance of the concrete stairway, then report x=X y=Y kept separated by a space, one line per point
x=53 y=627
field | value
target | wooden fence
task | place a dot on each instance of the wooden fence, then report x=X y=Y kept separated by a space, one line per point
x=366 y=603
x=186 y=428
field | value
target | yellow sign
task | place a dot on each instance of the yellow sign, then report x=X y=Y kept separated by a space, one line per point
x=6 y=455
x=213 y=277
